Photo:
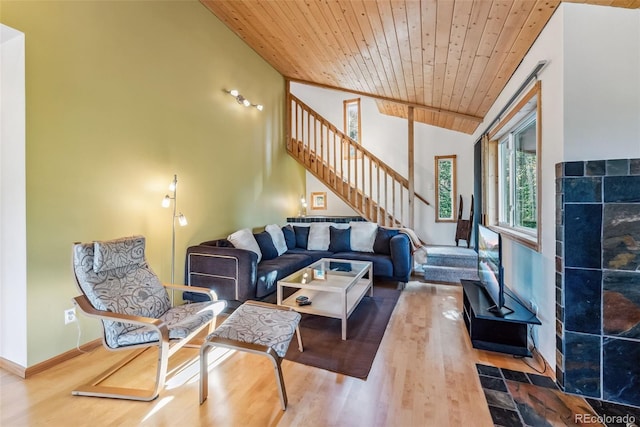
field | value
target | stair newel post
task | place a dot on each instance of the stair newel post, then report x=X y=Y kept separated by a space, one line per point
x=386 y=196
x=378 y=198
x=369 y=207
x=288 y=101
x=348 y=158
x=411 y=166
x=341 y=145
x=315 y=143
x=355 y=171
x=335 y=162
x=297 y=135
x=363 y=184
x=393 y=201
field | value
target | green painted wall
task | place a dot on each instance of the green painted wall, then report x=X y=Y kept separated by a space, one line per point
x=120 y=96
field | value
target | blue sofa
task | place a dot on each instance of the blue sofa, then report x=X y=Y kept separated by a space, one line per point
x=236 y=274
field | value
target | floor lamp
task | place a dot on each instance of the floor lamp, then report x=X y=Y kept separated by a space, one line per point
x=182 y=220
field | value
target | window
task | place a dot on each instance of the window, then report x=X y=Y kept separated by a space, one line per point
x=352 y=127
x=445 y=188
x=352 y=118
x=517 y=163
x=511 y=177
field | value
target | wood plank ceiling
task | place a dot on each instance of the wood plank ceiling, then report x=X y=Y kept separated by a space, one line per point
x=451 y=58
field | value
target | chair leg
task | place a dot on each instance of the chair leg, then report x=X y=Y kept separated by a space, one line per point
x=299 y=339
x=279 y=379
x=93 y=388
x=204 y=372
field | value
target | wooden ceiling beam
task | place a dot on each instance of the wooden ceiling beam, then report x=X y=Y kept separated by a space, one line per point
x=457 y=114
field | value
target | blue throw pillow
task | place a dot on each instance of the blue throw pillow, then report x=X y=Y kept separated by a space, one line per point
x=340 y=239
x=289 y=236
x=382 y=243
x=265 y=242
x=302 y=236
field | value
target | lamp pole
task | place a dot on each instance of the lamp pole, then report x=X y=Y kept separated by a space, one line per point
x=166 y=202
x=173 y=228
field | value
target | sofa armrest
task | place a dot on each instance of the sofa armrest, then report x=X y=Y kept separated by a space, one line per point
x=230 y=272
x=401 y=256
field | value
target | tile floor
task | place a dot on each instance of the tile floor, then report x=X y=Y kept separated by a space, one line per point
x=524 y=399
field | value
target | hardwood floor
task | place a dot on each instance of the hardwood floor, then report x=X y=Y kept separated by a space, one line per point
x=424 y=374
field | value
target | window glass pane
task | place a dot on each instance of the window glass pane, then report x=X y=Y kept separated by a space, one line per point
x=352 y=120
x=526 y=211
x=445 y=191
x=445 y=180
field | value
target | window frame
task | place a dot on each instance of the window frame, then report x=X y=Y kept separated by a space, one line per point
x=528 y=108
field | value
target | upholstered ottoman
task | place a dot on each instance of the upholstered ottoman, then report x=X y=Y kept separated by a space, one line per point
x=258 y=328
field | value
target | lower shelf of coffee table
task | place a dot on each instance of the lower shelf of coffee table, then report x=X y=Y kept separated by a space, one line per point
x=326 y=303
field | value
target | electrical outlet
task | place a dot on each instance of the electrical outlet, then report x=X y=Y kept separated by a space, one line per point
x=70 y=316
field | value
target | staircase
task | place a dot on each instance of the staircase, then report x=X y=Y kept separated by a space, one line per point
x=363 y=181
x=449 y=264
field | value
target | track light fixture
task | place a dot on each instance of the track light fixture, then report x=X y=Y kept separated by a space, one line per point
x=242 y=100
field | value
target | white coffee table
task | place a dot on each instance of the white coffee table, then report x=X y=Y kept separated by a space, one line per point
x=334 y=286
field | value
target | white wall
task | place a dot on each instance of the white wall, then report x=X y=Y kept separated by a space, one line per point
x=386 y=137
x=602 y=83
x=13 y=235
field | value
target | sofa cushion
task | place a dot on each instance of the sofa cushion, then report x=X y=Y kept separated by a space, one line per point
x=314 y=255
x=340 y=239
x=278 y=238
x=302 y=236
x=289 y=236
x=272 y=270
x=383 y=237
x=318 y=237
x=267 y=248
x=243 y=239
x=363 y=235
x=382 y=264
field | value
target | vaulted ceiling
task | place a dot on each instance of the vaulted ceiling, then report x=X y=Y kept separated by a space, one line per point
x=448 y=58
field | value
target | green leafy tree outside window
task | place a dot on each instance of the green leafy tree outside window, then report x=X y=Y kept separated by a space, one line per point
x=445 y=188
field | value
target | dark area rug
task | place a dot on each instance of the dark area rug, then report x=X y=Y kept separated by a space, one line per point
x=322 y=336
x=524 y=399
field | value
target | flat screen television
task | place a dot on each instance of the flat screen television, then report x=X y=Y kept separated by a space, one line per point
x=490 y=271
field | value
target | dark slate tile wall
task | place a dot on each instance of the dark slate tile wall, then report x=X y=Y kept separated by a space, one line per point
x=598 y=279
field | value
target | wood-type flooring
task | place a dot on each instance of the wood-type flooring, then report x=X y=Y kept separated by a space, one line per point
x=424 y=374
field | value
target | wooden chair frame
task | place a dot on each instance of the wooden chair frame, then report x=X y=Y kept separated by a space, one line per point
x=259 y=349
x=166 y=349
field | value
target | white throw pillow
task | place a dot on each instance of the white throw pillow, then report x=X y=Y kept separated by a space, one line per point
x=318 y=236
x=278 y=238
x=363 y=236
x=243 y=239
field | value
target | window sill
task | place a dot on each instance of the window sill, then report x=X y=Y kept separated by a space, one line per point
x=523 y=238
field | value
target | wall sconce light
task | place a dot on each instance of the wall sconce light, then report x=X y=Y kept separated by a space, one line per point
x=182 y=220
x=242 y=100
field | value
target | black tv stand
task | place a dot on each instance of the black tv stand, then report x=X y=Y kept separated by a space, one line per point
x=504 y=332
